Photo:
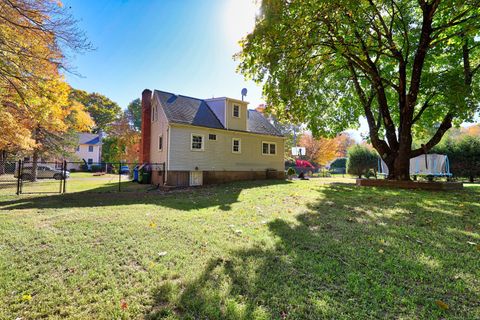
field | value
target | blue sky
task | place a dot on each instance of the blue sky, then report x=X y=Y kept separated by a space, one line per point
x=181 y=46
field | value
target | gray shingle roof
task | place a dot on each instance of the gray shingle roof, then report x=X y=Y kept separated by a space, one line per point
x=257 y=123
x=187 y=110
x=196 y=112
x=89 y=138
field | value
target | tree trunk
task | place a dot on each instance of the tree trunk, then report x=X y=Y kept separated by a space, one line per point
x=389 y=162
x=401 y=167
x=3 y=159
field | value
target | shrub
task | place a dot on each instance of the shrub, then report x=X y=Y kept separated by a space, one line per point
x=291 y=171
x=289 y=163
x=463 y=155
x=361 y=160
x=338 y=165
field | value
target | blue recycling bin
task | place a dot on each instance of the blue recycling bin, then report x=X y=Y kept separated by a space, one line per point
x=135 y=173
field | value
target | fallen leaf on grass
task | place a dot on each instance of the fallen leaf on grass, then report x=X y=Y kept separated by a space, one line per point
x=123 y=305
x=380 y=251
x=26 y=297
x=152 y=224
x=162 y=253
x=442 y=305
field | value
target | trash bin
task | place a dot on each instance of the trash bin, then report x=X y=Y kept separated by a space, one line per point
x=144 y=174
x=146 y=177
x=135 y=173
x=140 y=175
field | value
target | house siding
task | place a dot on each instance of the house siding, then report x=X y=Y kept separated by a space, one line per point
x=236 y=123
x=158 y=127
x=76 y=160
x=218 y=156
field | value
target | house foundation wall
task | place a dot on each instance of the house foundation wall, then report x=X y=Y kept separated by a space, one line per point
x=157 y=177
x=182 y=178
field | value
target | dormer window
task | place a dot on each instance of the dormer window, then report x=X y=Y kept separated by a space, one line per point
x=236 y=111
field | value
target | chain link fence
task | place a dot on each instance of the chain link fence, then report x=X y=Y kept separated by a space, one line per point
x=8 y=177
x=27 y=177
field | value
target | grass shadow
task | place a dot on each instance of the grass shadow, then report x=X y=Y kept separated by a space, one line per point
x=222 y=196
x=356 y=253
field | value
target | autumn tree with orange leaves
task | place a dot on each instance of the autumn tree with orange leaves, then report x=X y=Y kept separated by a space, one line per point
x=122 y=143
x=324 y=150
x=35 y=111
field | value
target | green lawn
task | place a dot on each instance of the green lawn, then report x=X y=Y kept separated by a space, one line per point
x=77 y=182
x=253 y=250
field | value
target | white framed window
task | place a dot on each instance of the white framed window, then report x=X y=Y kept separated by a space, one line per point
x=236 y=145
x=212 y=137
x=160 y=143
x=90 y=148
x=236 y=111
x=197 y=142
x=269 y=148
x=154 y=113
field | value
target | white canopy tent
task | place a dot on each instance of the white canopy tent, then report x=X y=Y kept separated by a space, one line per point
x=430 y=165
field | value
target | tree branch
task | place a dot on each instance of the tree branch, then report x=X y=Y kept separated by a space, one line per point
x=378 y=143
x=423 y=108
x=437 y=137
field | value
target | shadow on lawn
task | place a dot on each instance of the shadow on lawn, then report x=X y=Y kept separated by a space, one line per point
x=348 y=256
x=222 y=195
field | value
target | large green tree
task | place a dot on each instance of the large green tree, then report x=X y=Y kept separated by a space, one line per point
x=102 y=110
x=405 y=65
x=134 y=114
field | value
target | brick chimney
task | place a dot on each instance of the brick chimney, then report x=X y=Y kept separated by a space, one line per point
x=146 y=126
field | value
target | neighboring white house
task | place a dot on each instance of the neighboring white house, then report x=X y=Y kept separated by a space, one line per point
x=89 y=149
x=202 y=141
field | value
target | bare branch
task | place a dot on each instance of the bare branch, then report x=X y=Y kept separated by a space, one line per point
x=444 y=126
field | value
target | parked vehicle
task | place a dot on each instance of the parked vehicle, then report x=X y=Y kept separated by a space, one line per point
x=43 y=172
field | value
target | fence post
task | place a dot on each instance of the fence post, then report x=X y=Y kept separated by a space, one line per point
x=64 y=176
x=119 y=176
x=19 y=172
x=61 y=179
x=21 y=177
